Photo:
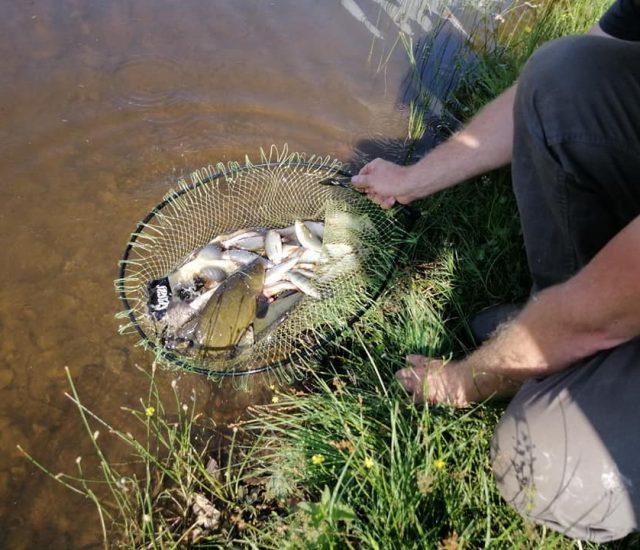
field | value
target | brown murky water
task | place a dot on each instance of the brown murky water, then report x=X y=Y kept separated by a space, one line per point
x=104 y=105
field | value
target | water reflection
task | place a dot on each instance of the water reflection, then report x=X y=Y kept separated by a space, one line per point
x=463 y=15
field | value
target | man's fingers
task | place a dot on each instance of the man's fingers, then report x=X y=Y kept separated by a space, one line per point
x=416 y=360
x=381 y=200
x=388 y=202
x=385 y=202
x=369 y=167
x=414 y=377
x=412 y=380
x=421 y=361
x=360 y=181
x=364 y=182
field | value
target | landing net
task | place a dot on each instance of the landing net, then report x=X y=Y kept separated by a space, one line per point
x=361 y=241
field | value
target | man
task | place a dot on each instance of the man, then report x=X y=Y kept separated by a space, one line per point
x=567 y=451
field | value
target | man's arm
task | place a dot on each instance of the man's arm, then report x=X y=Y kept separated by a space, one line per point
x=484 y=144
x=597 y=309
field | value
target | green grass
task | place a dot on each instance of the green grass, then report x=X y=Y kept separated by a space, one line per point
x=343 y=460
x=380 y=472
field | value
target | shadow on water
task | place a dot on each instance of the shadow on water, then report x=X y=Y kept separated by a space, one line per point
x=441 y=54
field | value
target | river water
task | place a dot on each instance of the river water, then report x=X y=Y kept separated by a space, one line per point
x=104 y=106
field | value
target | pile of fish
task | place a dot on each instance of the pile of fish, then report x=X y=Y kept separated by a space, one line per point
x=236 y=289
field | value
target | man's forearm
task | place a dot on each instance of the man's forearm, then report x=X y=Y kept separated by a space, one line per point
x=597 y=309
x=482 y=145
x=485 y=143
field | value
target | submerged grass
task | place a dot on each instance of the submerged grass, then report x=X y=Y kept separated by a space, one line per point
x=179 y=489
x=343 y=460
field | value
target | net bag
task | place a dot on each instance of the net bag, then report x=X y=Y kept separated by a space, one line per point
x=359 y=250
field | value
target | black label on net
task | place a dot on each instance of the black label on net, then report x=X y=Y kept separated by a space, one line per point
x=159 y=297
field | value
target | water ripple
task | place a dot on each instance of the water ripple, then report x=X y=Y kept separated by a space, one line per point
x=145 y=82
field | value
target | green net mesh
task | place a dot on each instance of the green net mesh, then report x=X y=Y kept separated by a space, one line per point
x=361 y=242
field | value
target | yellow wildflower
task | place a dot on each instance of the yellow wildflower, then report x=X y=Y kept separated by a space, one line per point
x=317 y=459
x=439 y=463
x=150 y=411
x=369 y=463
x=275 y=399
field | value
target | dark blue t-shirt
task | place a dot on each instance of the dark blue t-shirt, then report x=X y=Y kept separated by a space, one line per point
x=622 y=20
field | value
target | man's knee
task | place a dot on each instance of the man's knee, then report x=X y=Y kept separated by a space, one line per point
x=554 y=471
x=566 y=80
x=569 y=67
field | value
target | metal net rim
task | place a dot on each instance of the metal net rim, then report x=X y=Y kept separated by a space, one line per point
x=409 y=214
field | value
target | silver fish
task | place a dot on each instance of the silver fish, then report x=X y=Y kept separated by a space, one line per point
x=211 y=251
x=247 y=239
x=348 y=263
x=317 y=228
x=307 y=271
x=185 y=275
x=288 y=233
x=338 y=250
x=278 y=288
x=278 y=311
x=228 y=239
x=244 y=257
x=306 y=238
x=213 y=273
x=303 y=284
x=310 y=256
x=289 y=249
x=277 y=272
x=349 y=223
x=253 y=244
x=306 y=266
x=273 y=246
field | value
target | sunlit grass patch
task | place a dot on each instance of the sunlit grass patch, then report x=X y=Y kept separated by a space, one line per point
x=409 y=476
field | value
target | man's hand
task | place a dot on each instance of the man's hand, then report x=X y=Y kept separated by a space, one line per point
x=384 y=182
x=484 y=144
x=456 y=383
x=436 y=382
